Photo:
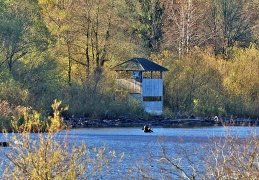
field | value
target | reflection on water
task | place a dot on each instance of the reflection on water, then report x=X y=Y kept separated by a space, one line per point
x=142 y=151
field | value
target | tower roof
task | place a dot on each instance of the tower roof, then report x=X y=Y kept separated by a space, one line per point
x=139 y=64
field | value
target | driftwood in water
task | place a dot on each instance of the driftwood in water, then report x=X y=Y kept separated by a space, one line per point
x=159 y=121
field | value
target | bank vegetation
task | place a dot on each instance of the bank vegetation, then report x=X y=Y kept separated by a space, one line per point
x=64 y=50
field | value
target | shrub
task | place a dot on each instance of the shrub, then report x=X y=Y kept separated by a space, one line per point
x=7 y=111
x=233 y=157
x=48 y=155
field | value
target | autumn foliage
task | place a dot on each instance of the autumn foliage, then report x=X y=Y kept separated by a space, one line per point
x=65 y=50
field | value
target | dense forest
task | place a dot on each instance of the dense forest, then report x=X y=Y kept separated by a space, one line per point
x=64 y=50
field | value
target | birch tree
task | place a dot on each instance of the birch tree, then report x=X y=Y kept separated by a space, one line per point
x=183 y=25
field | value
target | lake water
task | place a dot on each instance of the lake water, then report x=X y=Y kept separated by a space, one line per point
x=142 y=152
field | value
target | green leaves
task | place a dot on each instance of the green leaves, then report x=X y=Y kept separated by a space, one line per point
x=146 y=23
x=233 y=23
x=21 y=31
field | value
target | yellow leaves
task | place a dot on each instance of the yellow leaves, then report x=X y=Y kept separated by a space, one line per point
x=30 y=121
x=47 y=155
x=242 y=72
x=56 y=122
x=195 y=102
x=26 y=120
x=163 y=58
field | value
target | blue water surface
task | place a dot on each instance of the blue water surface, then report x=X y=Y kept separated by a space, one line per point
x=142 y=152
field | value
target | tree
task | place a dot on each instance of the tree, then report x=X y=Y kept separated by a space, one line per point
x=21 y=31
x=194 y=85
x=82 y=29
x=184 y=25
x=58 y=17
x=146 y=22
x=93 y=21
x=232 y=22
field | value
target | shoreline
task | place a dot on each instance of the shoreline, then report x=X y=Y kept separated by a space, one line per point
x=81 y=122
